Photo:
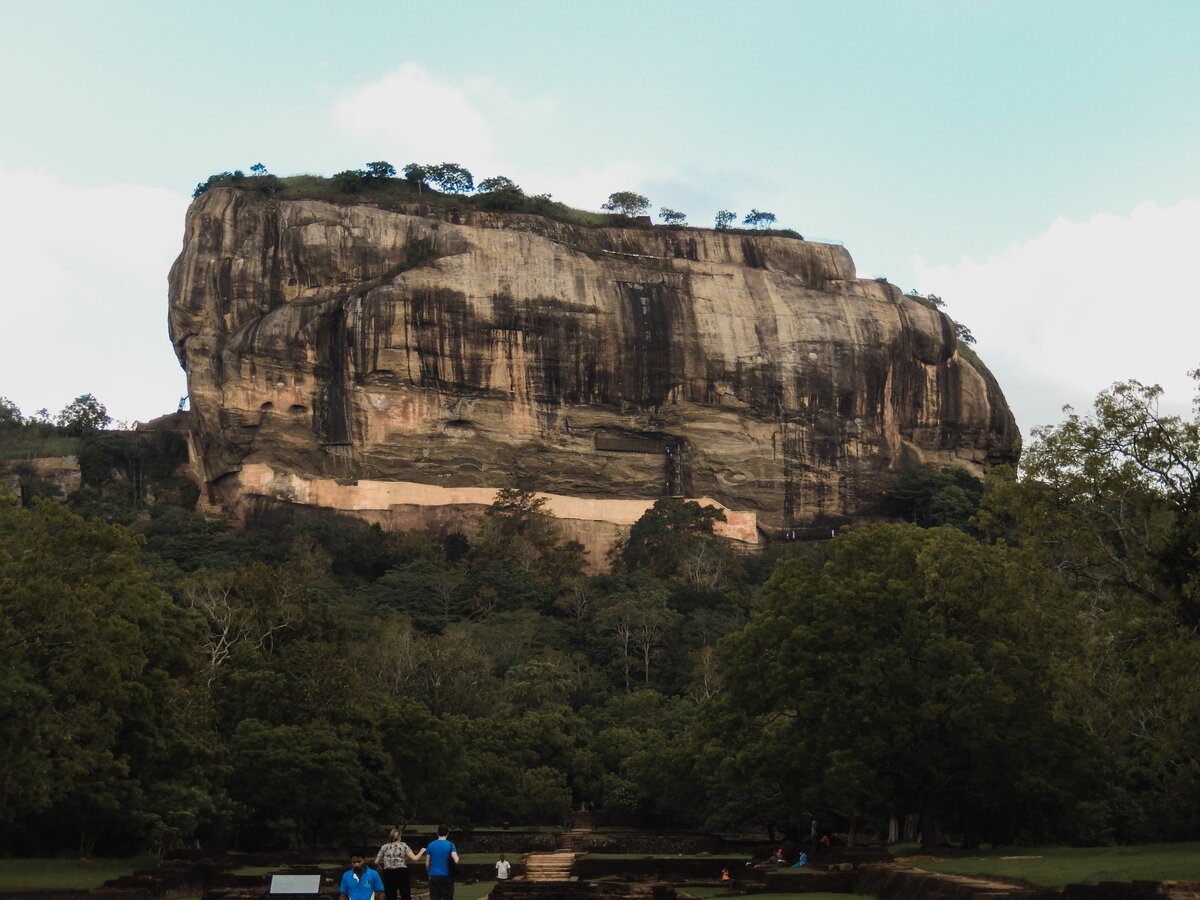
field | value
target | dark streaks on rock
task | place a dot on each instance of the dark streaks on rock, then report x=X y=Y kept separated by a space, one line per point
x=490 y=349
x=331 y=409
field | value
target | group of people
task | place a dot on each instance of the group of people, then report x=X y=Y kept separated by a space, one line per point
x=391 y=876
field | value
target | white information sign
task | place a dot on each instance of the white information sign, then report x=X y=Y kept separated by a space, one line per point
x=295 y=884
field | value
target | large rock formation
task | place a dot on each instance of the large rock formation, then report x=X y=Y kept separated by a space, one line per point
x=389 y=359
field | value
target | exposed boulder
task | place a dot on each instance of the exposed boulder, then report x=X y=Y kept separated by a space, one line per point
x=361 y=347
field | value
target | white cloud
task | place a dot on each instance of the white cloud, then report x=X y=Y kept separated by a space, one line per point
x=410 y=115
x=413 y=116
x=85 y=294
x=1085 y=304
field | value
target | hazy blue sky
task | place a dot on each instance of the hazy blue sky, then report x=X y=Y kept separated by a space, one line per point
x=1034 y=163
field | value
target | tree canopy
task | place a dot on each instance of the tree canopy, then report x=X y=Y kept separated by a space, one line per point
x=758 y=219
x=381 y=170
x=450 y=178
x=911 y=670
x=626 y=203
x=1015 y=660
x=82 y=415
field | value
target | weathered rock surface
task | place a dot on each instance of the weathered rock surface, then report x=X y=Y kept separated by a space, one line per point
x=58 y=472
x=361 y=346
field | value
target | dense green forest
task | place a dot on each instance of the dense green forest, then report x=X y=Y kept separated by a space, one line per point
x=1010 y=661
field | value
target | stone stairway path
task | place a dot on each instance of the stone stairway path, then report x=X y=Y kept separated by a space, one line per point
x=581 y=824
x=1181 y=890
x=554 y=866
x=569 y=840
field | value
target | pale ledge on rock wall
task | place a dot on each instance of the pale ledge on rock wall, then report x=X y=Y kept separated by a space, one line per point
x=358 y=344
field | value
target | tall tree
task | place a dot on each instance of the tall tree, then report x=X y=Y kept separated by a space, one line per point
x=499 y=192
x=450 y=178
x=10 y=414
x=626 y=203
x=640 y=622
x=381 y=170
x=416 y=175
x=912 y=670
x=83 y=415
x=758 y=219
x=94 y=668
x=670 y=533
x=1110 y=502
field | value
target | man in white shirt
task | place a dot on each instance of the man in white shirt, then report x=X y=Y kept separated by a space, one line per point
x=503 y=868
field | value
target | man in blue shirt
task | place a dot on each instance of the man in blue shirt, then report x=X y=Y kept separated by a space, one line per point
x=360 y=882
x=438 y=855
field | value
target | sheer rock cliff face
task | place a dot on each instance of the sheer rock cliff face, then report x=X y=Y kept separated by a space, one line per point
x=357 y=346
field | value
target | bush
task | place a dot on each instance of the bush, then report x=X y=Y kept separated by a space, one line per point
x=350 y=181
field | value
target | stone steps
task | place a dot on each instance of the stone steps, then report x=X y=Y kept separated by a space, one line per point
x=569 y=840
x=554 y=866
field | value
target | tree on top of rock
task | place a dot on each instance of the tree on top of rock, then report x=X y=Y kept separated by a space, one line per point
x=499 y=184
x=10 y=414
x=672 y=216
x=758 y=219
x=381 y=170
x=499 y=192
x=349 y=181
x=627 y=203
x=450 y=178
x=83 y=415
x=416 y=174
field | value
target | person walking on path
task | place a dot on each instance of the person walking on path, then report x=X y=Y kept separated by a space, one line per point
x=360 y=882
x=442 y=858
x=393 y=859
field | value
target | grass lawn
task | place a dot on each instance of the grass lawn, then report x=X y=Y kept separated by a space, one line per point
x=704 y=893
x=471 y=891
x=264 y=870
x=738 y=856
x=51 y=874
x=24 y=443
x=1057 y=866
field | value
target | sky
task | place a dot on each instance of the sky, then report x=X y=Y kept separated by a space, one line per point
x=1035 y=164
